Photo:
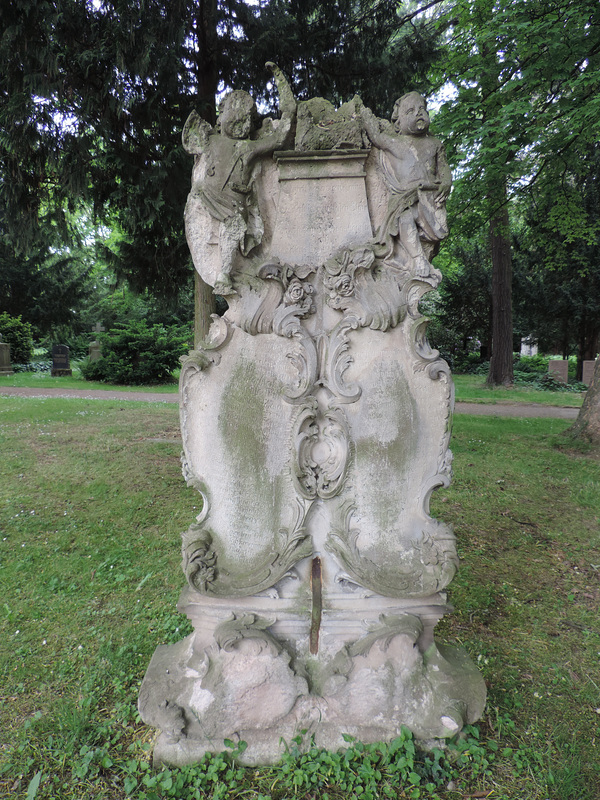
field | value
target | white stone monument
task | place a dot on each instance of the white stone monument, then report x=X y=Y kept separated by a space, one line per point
x=316 y=422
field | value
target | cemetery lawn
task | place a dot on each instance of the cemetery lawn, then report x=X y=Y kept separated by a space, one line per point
x=91 y=507
x=473 y=389
x=43 y=380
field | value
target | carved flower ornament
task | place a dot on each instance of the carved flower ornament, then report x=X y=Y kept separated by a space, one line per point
x=295 y=293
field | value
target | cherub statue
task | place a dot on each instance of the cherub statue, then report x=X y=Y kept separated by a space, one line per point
x=418 y=177
x=225 y=158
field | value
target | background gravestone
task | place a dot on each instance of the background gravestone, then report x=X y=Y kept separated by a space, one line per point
x=95 y=348
x=588 y=372
x=559 y=368
x=60 y=361
x=5 y=365
x=316 y=423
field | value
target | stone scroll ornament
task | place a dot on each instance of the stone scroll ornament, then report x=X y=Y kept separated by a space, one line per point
x=316 y=422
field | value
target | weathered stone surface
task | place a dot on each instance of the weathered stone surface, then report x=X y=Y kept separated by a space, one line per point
x=316 y=423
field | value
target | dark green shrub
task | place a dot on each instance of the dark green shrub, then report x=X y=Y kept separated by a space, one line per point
x=137 y=354
x=531 y=364
x=19 y=335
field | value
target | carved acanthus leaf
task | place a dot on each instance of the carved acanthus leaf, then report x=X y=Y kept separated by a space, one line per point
x=335 y=360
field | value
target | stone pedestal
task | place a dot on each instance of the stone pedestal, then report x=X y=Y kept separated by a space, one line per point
x=316 y=423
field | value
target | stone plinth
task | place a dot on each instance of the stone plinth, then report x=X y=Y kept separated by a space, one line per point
x=316 y=423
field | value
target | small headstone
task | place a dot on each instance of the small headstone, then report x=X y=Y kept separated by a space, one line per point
x=95 y=348
x=588 y=372
x=5 y=365
x=559 y=368
x=529 y=347
x=60 y=361
x=95 y=351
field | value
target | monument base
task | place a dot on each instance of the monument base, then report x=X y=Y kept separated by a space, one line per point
x=247 y=673
x=4 y=371
x=60 y=373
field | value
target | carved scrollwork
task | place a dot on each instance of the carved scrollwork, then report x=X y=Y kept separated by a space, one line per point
x=246 y=626
x=199 y=560
x=365 y=287
x=320 y=471
x=426 y=564
x=204 y=574
x=206 y=355
x=390 y=626
x=333 y=469
x=335 y=358
x=305 y=436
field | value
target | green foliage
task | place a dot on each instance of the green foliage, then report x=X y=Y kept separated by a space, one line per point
x=93 y=98
x=137 y=353
x=19 y=335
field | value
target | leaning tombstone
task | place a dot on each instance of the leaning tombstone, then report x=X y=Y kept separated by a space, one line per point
x=559 y=368
x=5 y=365
x=316 y=424
x=588 y=372
x=60 y=361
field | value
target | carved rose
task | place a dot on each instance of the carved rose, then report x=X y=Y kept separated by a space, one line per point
x=295 y=293
x=344 y=286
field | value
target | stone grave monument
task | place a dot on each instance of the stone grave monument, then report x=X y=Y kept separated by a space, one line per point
x=316 y=423
x=559 y=368
x=588 y=372
x=5 y=365
x=95 y=348
x=60 y=361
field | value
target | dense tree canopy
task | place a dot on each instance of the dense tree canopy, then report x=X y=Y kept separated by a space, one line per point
x=524 y=80
x=95 y=94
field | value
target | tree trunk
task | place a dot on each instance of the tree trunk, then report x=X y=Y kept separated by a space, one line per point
x=587 y=424
x=501 y=364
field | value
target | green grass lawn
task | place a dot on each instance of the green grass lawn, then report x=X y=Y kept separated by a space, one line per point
x=472 y=389
x=43 y=380
x=469 y=388
x=92 y=503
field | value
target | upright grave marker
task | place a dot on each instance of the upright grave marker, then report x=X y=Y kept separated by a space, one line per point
x=95 y=348
x=588 y=372
x=559 y=368
x=60 y=361
x=316 y=424
x=5 y=365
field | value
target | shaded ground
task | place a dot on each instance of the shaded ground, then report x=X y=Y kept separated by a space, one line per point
x=481 y=409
